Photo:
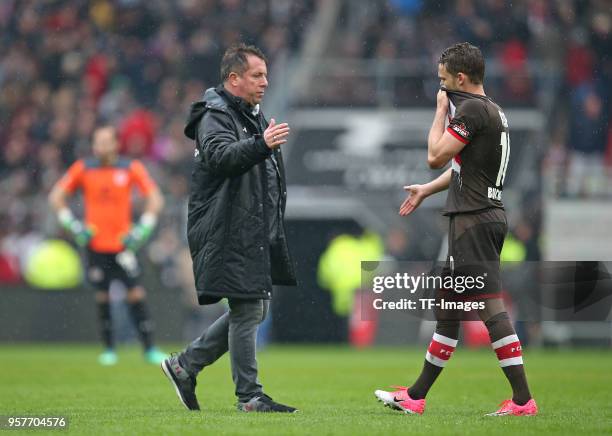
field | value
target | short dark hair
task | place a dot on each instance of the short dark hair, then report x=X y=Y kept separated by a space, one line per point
x=464 y=58
x=235 y=59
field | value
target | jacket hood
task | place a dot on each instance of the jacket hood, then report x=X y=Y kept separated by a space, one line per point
x=211 y=100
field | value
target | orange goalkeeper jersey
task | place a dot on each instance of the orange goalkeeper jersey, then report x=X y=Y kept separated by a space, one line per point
x=107 y=195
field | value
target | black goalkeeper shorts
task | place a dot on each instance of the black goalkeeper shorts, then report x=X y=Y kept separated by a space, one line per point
x=103 y=268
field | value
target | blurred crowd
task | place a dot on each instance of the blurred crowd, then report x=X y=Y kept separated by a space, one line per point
x=564 y=39
x=68 y=65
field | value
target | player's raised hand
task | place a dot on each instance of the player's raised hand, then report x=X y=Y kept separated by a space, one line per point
x=276 y=134
x=416 y=194
x=442 y=100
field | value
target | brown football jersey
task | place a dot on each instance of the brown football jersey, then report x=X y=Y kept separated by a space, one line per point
x=480 y=168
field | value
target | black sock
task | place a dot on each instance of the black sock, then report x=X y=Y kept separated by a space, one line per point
x=106 y=325
x=436 y=358
x=140 y=317
x=500 y=327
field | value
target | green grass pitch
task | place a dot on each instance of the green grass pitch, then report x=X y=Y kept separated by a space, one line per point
x=332 y=386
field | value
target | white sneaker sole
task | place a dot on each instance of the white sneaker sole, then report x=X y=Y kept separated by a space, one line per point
x=407 y=411
x=169 y=376
x=387 y=399
x=509 y=414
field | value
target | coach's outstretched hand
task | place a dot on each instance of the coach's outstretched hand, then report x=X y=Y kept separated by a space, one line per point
x=276 y=134
x=416 y=194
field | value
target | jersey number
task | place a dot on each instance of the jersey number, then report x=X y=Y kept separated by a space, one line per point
x=505 y=157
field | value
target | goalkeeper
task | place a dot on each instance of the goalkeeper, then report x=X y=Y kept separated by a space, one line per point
x=107 y=233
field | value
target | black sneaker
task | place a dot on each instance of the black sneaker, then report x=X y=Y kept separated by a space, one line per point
x=263 y=403
x=183 y=383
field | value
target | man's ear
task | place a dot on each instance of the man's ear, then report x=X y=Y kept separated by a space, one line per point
x=461 y=78
x=233 y=78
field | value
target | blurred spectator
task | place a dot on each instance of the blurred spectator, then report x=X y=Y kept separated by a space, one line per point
x=516 y=87
x=9 y=263
x=587 y=140
x=136 y=133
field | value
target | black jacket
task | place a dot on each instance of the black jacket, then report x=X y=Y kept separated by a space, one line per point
x=228 y=221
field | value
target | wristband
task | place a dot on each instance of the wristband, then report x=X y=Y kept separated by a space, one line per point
x=65 y=216
x=148 y=219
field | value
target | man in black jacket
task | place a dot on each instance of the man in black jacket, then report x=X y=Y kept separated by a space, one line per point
x=235 y=226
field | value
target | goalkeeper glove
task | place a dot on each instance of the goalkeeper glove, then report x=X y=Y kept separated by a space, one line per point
x=82 y=234
x=140 y=232
x=127 y=260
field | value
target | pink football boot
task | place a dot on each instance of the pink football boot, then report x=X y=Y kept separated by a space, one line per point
x=400 y=400
x=509 y=407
